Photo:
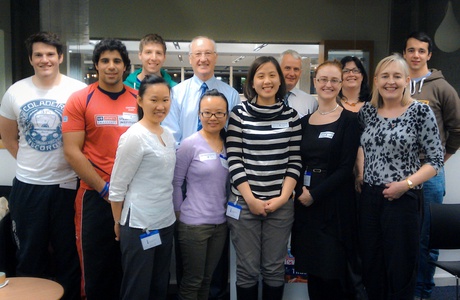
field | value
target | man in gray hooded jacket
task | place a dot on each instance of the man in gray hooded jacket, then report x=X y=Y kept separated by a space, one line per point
x=430 y=87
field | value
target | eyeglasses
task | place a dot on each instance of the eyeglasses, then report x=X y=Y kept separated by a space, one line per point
x=208 y=114
x=206 y=54
x=354 y=71
x=333 y=81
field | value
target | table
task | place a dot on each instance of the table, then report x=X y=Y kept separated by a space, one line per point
x=25 y=288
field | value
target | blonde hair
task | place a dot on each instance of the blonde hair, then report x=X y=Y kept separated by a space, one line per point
x=376 y=99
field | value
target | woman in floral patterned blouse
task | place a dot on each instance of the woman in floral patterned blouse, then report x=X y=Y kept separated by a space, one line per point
x=396 y=129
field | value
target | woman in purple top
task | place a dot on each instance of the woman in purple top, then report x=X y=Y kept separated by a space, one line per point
x=202 y=164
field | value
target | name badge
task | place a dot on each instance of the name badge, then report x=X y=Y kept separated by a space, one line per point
x=127 y=119
x=71 y=185
x=233 y=210
x=129 y=116
x=280 y=125
x=150 y=239
x=223 y=161
x=307 y=178
x=207 y=156
x=326 y=135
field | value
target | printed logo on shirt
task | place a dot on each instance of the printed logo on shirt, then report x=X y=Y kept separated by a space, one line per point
x=125 y=120
x=40 y=121
x=106 y=120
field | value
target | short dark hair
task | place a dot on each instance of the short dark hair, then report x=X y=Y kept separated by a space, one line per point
x=145 y=83
x=421 y=36
x=152 y=38
x=250 y=92
x=111 y=45
x=365 y=91
x=48 y=38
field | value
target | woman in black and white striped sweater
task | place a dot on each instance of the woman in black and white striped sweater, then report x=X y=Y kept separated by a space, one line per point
x=263 y=148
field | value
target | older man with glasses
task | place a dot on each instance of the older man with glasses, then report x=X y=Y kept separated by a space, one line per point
x=183 y=119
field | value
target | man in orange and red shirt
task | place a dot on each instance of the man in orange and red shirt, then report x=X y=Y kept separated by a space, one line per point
x=93 y=120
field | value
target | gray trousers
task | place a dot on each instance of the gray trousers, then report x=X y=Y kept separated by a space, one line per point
x=260 y=244
x=201 y=247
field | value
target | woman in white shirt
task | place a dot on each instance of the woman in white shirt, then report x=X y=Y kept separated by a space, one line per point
x=141 y=195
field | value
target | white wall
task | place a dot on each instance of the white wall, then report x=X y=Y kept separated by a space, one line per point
x=7 y=167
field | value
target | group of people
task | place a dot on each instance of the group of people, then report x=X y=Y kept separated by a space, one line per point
x=112 y=176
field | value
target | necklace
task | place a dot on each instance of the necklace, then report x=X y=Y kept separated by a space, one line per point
x=218 y=148
x=328 y=112
x=217 y=145
x=344 y=99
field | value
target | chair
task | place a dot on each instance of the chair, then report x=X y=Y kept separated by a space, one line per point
x=445 y=234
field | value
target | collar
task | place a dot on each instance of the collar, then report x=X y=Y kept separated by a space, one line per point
x=421 y=77
x=294 y=91
x=210 y=82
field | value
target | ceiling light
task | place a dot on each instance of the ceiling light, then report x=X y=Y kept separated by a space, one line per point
x=258 y=47
x=239 y=59
x=180 y=58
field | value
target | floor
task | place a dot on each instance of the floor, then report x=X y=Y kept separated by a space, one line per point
x=439 y=293
x=443 y=293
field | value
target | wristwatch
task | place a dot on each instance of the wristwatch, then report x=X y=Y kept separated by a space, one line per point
x=409 y=184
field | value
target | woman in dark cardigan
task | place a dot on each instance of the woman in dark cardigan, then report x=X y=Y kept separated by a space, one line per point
x=324 y=231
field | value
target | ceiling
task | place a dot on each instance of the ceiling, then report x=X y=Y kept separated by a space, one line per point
x=229 y=54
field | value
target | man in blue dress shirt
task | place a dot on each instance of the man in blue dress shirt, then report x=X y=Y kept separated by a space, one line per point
x=182 y=119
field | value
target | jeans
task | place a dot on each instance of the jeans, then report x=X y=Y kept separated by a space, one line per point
x=433 y=191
